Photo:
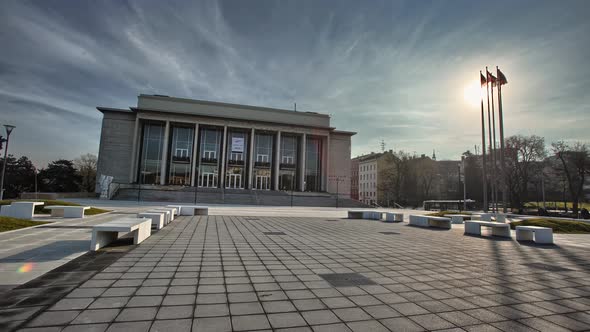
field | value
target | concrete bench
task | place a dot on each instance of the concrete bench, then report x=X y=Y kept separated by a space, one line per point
x=158 y=218
x=498 y=229
x=394 y=217
x=170 y=214
x=430 y=221
x=21 y=210
x=355 y=214
x=191 y=210
x=103 y=234
x=67 y=211
x=482 y=216
x=458 y=218
x=542 y=235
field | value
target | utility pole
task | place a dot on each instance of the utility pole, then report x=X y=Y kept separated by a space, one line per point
x=9 y=129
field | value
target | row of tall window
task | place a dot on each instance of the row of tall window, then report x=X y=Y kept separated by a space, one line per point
x=181 y=154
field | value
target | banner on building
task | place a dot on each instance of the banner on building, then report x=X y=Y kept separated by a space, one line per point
x=237 y=144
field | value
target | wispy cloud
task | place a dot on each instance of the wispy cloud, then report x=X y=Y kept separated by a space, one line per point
x=389 y=70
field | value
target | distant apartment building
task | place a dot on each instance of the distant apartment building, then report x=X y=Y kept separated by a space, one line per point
x=354 y=179
x=366 y=170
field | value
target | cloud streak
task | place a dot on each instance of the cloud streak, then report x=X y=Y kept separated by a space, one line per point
x=389 y=70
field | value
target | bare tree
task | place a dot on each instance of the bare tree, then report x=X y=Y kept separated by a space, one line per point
x=86 y=168
x=522 y=155
x=575 y=165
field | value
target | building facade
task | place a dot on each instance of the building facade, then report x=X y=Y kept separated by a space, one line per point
x=366 y=170
x=167 y=141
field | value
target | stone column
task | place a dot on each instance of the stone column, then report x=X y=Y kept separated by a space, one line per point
x=277 y=162
x=326 y=164
x=196 y=159
x=134 y=157
x=302 y=164
x=251 y=160
x=163 y=167
x=223 y=153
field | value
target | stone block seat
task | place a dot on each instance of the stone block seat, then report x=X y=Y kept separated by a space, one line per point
x=394 y=217
x=430 y=221
x=458 y=218
x=473 y=227
x=158 y=218
x=364 y=214
x=170 y=212
x=541 y=235
x=21 y=210
x=103 y=234
x=67 y=211
x=191 y=210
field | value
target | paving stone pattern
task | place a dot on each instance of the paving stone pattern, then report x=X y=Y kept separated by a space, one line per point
x=221 y=273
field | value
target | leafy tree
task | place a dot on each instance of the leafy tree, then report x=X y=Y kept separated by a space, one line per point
x=575 y=165
x=522 y=155
x=473 y=176
x=19 y=176
x=60 y=176
x=86 y=167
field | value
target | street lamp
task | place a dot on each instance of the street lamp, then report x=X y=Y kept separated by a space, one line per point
x=9 y=129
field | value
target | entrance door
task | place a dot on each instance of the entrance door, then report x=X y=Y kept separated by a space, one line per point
x=262 y=182
x=234 y=181
x=208 y=180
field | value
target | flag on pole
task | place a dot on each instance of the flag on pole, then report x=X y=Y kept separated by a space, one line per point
x=501 y=80
x=482 y=79
x=491 y=78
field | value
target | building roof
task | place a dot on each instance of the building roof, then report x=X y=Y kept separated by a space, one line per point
x=216 y=103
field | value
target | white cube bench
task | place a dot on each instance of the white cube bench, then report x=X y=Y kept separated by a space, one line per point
x=482 y=216
x=158 y=218
x=5 y=211
x=21 y=210
x=394 y=217
x=542 y=235
x=355 y=214
x=191 y=210
x=167 y=214
x=473 y=227
x=171 y=212
x=103 y=234
x=458 y=218
x=430 y=221
x=67 y=211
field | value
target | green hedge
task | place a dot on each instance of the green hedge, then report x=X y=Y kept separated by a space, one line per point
x=558 y=226
x=10 y=224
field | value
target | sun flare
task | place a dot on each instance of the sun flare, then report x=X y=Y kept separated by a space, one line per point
x=472 y=93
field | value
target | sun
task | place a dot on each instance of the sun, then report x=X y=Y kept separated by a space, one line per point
x=472 y=93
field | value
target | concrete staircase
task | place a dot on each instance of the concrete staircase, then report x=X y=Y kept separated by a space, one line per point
x=230 y=196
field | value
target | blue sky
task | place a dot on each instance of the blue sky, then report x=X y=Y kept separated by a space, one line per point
x=391 y=70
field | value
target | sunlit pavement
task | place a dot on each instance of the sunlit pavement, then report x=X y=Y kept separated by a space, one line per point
x=223 y=273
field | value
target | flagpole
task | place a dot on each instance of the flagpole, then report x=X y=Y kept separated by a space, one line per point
x=483 y=151
x=495 y=185
x=501 y=124
x=490 y=132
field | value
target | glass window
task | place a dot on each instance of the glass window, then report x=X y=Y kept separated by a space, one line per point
x=151 y=153
x=313 y=153
x=263 y=161
x=288 y=163
x=181 y=155
x=210 y=147
x=237 y=159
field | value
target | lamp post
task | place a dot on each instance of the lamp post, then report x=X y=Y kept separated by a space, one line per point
x=9 y=129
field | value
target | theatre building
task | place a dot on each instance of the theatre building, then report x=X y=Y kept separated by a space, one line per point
x=177 y=142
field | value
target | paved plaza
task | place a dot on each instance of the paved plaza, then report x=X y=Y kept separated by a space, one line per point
x=231 y=273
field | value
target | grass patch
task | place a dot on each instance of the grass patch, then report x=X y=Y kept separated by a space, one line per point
x=442 y=213
x=10 y=224
x=48 y=202
x=559 y=205
x=558 y=226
